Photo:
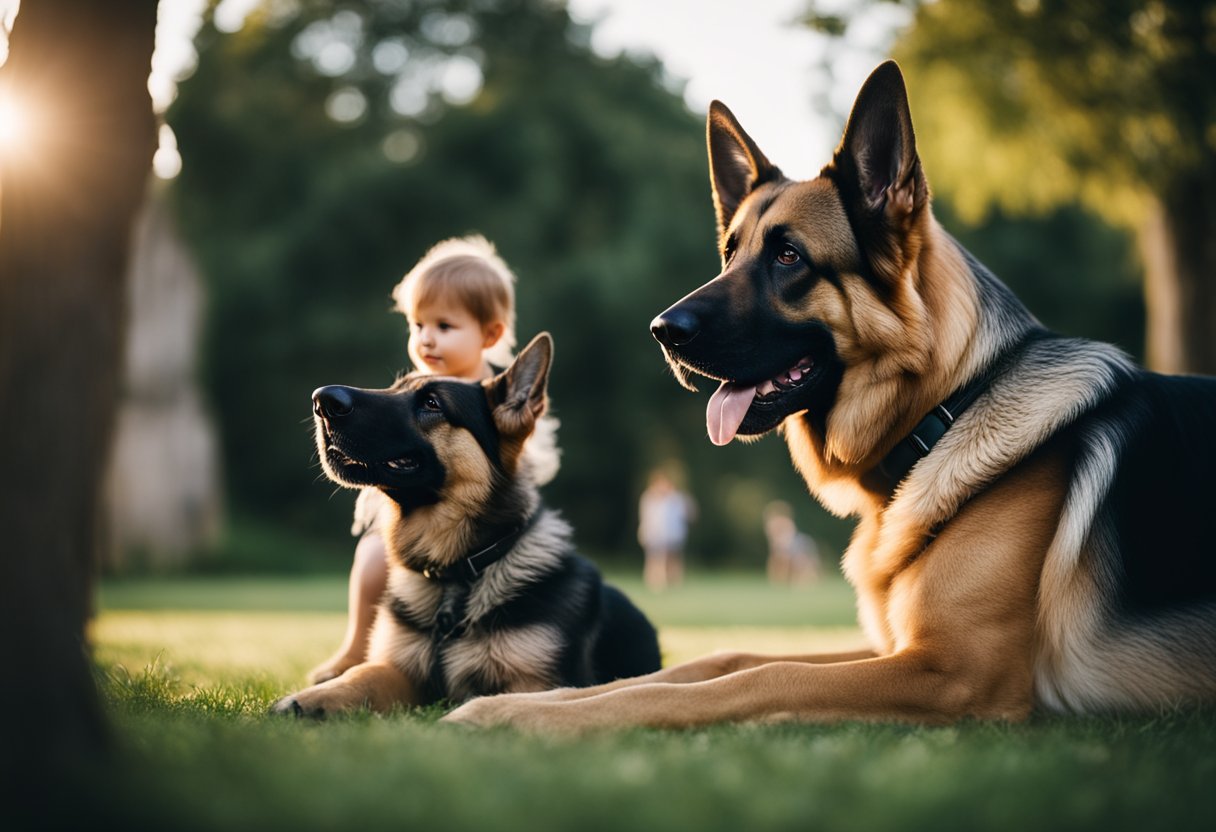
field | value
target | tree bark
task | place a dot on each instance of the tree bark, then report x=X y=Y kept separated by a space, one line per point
x=67 y=200
x=1178 y=244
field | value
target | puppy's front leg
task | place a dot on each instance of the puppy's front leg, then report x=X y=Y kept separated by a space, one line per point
x=378 y=686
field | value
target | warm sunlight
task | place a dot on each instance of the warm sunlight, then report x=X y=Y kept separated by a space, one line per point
x=16 y=125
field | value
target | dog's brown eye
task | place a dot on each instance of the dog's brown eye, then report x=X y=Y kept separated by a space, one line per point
x=787 y=257
x=431 y=403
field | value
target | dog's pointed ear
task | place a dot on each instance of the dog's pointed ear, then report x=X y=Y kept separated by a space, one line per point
x=736 y=165
x=879 y=171
x=518 y=395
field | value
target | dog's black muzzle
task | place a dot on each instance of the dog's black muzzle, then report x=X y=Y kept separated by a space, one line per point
x=719 y=331
x=332 y=401
x=729 y=330
x=675 y=327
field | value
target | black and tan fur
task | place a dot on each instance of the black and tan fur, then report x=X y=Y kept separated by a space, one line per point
x=1051 y=551
x=449 y=456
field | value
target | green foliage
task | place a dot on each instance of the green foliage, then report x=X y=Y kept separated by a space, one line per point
x=590 y=176
x=1078 y=275
x=1034 y=103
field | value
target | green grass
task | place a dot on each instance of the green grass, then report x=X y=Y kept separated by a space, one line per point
x=204 y=628
x=189 y=666
x=706 y=599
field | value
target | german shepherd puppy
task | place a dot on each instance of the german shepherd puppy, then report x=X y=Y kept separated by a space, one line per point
x=1034 y=510
x=485 y=594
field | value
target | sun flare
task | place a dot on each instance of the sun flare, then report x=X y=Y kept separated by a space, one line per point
x=16 y=125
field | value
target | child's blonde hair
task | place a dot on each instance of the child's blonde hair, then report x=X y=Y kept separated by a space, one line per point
x=465 y=271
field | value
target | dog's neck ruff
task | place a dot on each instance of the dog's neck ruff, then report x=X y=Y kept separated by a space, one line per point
x=469 y=568
x=929 y=430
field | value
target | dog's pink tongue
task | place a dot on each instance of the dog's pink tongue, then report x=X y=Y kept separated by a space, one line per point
x=727 y=407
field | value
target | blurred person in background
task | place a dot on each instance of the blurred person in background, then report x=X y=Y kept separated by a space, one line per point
x=664 y=513
x=793 y=557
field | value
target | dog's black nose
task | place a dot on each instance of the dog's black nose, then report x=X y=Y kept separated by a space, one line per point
x=675 y=327
x=333 y=400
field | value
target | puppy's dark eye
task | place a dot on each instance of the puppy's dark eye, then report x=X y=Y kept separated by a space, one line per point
x=432 y=404
x=788 y=256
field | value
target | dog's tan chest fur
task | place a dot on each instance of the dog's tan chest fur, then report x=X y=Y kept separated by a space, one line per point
x=967 y=596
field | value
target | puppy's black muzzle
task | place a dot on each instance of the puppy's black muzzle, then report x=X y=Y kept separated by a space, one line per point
x=373 y=438
x=332 y=401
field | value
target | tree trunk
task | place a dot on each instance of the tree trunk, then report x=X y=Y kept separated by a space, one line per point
x=1178 y=243
x=67 y=199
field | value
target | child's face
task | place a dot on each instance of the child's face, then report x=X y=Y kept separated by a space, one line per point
x=447 y=340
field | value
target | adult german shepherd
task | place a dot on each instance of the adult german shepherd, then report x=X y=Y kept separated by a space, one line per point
x=485 y=593
x=1034 y=510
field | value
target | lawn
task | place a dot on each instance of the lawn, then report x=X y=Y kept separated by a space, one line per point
x=188 y=667
x=270 y=631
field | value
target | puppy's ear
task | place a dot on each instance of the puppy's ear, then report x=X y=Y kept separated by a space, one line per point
x=517 y=395
x=877 y=168
x=736 y=165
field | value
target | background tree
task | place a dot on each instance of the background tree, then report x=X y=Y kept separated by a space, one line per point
x=67 y=198
x=1031 y=104
x=326 y=147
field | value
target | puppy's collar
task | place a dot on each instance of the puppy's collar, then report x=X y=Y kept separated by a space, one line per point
x=470 y=567
x=929 y=430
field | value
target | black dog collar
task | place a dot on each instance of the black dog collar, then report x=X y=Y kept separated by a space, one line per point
x=929 y=430
x=471 y=567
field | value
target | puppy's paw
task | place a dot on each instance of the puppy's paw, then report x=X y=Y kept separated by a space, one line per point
x=318 y=702
x=290 y=706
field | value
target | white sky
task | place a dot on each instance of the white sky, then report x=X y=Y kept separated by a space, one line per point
x=751 y=55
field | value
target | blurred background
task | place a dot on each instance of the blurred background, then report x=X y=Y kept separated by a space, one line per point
x=310 y=152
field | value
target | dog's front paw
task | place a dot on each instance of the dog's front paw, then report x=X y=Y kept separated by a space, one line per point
x=483 y=712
